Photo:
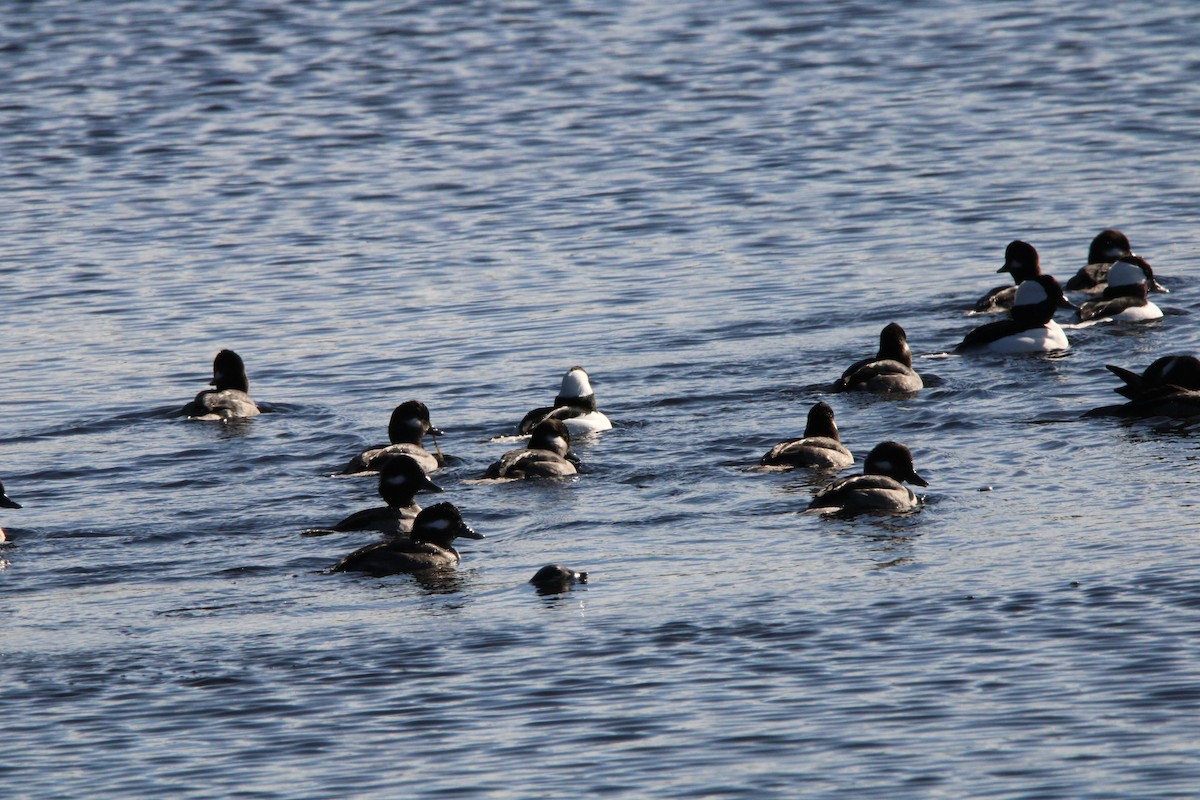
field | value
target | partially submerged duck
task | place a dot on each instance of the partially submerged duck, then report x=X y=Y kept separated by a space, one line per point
x=555 y=579
x=1169 y=387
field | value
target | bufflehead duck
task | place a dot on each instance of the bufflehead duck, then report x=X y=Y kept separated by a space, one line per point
x=406 y=429
x=1107 y=248
x=6 y=502
x=575 y=406
x=556 y=579
x=878 y=488
x=1021 y=261
x=547 y=456
x=821 y=447
x=230 y=396
x=1030 y=328
x=1169 y=387
x=429 y=546
x=889 y=371
x=1124 y=296
x=400 y=478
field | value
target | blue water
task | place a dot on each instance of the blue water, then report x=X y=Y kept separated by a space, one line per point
x=714 y=208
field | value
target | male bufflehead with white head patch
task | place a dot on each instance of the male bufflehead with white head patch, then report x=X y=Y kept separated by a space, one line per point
x=1107 y=248
x=1124 y=298
x=575 y=405
x=1031 y=327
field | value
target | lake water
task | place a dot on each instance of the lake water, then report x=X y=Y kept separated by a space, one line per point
x=714 y=207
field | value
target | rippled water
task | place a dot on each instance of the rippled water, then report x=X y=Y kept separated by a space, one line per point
x=715 y=208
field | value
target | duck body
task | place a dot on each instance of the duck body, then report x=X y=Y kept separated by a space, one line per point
x=878 y=488
x=820 y=448
x=890 y=371
x=1125 y=296
x=1108 y=247
x=1030 y=328
x=230 y=396
x=429 y=546
x=556 y=579
x=6 y=502
x=1169 y=387
x=400 y=479
x=575 y=407
x=547 y=455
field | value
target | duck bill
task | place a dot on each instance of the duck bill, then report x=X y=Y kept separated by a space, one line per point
x=429 y=486
x=467 y=532
x=8 y=502
x=917 y=480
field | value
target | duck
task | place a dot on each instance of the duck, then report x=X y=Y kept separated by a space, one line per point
x=230 y=398
x=1021 y=260
x=880 y=486
x=1108 y=247
x=428 y=547
x=400 y=478
x=890 y=371
x=575 y=405
x=6 y=502
x=820 y=448
x=1169 y=387
x=1124 y=298
x=1030 y=327
x=548 y=455
x=556 y=579
x=406 y=430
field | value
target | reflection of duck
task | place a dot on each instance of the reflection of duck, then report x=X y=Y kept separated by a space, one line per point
x=575 y=405
x=400 y=478
x=428 y=547
x=820 y=448
x=1107 y=248
x=1169 y=387
x=230 y=396
x=406 y=431
x=878 y=488
x=6 y=502
x=555 y=579
x=1124 y=298
x=889 y=371
x=1030 y=328
x=547 y=456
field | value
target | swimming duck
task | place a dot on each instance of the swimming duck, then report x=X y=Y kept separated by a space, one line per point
x=878 y=488
x=556 y=579
x=230 y=398
x=400 y=478
x=1124 y=297
x=889 y=371
x=1169 y=387
x=1021 y=261
x=6 y=502
x=429 y=546
x=548 y=455
x=575 y=405
x=1030 y=328
x=406 y=430
x=1107 y=248
x=820 y=448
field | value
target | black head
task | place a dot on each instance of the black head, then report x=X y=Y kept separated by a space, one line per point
x=552 y=435
x=229 y=372
x=555 y=578
x=820 y=422
x=1021 y=261
x=895 y=461
x=893 y=344
x=441 y=524
x=400 y=478
x=1108 y=246
x=410 y=423
x=1181 y=371
x=6 y=501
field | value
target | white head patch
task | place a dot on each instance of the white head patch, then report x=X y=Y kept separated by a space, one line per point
x=1123 y=273
x=1030 y=293
x=575 y=384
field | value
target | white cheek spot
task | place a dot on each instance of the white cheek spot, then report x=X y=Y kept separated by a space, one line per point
x=1030 y=293
x=439 y=525
x=883 y=466
x=1123 y=273
x=395 y=480
x=576 y=384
